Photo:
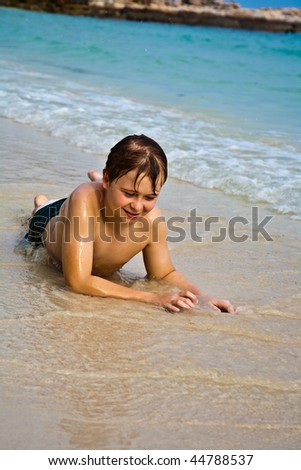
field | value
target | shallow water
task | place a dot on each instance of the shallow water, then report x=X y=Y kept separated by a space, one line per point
x=90 y=373
x=224 y=104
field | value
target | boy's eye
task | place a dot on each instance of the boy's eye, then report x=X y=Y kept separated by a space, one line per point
x=148 y=198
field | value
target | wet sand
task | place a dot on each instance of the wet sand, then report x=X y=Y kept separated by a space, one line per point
x=89 y=373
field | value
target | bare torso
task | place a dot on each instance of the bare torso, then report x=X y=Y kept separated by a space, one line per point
x=101 y=226
x=114 y=244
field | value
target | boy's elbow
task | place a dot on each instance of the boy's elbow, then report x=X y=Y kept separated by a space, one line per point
x=85 y=286
x=166 y=276
x=76 y=284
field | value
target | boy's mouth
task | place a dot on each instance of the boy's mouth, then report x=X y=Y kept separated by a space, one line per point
x=131 y=215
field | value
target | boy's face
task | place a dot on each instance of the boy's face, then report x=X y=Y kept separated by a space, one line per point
x=124 y=200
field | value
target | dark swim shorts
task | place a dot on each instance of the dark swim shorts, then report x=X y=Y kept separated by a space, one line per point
x=40 y=219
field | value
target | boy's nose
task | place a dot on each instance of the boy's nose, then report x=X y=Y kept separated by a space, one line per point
x=137 y=205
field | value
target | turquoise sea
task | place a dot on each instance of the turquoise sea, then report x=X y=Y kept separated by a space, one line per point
x=224 y=104
x=80 y=372
x=269 y=3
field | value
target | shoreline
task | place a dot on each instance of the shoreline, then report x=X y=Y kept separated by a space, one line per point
x=205 y=201
x=215 y=256
x=222 y=15
x=139 y=363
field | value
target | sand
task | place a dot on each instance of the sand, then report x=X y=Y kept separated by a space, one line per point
x=85 y=373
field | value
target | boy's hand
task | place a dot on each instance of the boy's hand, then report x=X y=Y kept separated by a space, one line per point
x=220 y=305
x=177 y=301
x=184 y=300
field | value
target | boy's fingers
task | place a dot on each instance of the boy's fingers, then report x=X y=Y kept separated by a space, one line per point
x=172 y=308
x=185 y=303
x=189 y=295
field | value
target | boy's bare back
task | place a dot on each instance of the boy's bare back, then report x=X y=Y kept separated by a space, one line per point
x=103 y=224
x=82 y=219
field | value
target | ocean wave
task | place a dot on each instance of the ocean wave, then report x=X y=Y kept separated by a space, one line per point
x=217 y=155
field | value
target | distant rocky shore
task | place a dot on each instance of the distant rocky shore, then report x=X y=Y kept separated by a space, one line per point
x=190 y=12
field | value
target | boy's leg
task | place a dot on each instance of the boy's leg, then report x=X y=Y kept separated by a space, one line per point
x=39 y=200
x=94 y=175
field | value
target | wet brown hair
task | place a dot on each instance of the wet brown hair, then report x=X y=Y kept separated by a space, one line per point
x=140 y=153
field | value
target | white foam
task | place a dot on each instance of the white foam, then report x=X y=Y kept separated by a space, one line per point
x=263 y=167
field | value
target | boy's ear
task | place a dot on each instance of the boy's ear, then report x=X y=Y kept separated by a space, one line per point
x=105 y=179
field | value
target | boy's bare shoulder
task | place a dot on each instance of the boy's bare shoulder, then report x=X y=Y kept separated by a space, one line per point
x=154 y=214
x=86 y=188
x=86 y=194
x=157 y=220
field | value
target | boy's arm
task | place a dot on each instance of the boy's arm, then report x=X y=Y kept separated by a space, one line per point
x=77 y=261
x=159 y=266
x=77 y=255
x=178 y=279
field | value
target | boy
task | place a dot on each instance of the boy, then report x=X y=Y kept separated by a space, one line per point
x=104 y=223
